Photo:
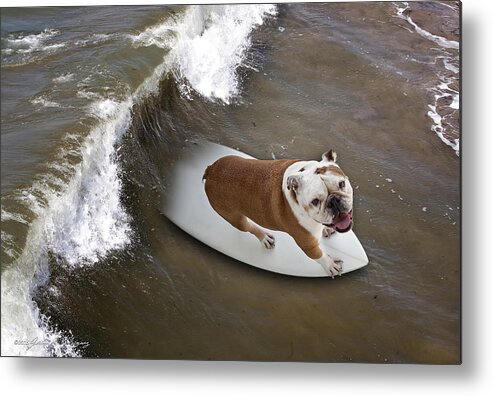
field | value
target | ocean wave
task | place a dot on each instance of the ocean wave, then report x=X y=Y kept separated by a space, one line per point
x=88 y=220
x=79 y=223
x=206 y=46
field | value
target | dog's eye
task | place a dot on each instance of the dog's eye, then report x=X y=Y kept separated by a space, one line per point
x=342 y=184
x=315 y=202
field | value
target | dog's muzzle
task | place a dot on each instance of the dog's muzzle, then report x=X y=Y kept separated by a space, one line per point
x=342 y=222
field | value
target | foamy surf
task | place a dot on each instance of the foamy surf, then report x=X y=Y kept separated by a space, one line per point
x=25 y=331
x=21 y=49
x=32 y=42
x=441 y=41
x=446 y=103
x=446 y=99
x=207 y=45
x=88 y=220
x=79 y=224
x=63 y=78
x=82 y=221
x=43 y=102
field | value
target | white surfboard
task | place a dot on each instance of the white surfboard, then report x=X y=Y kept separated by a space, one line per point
x=185 y=204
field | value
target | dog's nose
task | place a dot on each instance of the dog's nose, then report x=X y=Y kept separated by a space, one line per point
x=334 y=202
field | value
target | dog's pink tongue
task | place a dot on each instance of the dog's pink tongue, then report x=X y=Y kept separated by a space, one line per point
x=342 y=221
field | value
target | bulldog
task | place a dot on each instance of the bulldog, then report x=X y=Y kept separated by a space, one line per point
x=306 y=199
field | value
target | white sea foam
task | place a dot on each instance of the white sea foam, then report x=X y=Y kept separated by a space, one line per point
x=441 y=91
x=25 y=44
x=7 y=216
x=31 y=41
x=42 y=101
x=160 y=35
x=25 y=331
x=88 y=220
x=441 y=41
x=438 y=128
x=448 y=5
x=28 y=48
x=212 y=43
x=88 y=95
x=47 y=48
x=94 y=39
x=63 y=78
x=207 y=44
x=447 y=75
x=8 y=245
x=449 y=65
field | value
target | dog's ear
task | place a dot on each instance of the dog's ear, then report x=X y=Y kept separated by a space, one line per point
x=329 y=156
x=294 y=182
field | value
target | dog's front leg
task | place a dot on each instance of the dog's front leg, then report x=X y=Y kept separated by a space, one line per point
x=312 y=249
x=332 y=266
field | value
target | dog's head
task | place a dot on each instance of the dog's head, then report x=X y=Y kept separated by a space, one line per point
x=324 y=193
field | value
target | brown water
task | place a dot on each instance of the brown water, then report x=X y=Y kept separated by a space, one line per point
x=356 y=77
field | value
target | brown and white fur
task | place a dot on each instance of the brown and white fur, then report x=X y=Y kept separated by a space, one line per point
x=306 y=199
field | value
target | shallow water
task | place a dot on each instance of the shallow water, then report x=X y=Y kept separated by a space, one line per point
x=95 y=107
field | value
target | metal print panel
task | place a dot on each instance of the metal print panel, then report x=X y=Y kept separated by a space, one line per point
x=98 y=107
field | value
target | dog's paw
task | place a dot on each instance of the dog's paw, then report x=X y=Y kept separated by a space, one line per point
x=268 y=241
x=335 y=268
x=331 y=266
x=328 y=231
